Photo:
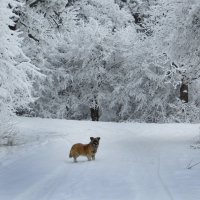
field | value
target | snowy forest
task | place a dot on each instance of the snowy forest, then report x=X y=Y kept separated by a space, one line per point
x=108 y=60
x=118 y=76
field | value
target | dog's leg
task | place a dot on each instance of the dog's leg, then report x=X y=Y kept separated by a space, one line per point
x=93 y=157
x=75 y=158
x=89 y=157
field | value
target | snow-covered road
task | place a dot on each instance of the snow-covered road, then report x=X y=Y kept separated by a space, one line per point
x=134 y=162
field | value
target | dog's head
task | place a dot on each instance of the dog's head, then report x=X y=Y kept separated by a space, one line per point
x=95 y=141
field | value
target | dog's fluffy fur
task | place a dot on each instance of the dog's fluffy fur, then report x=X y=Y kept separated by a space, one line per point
x=88 y=150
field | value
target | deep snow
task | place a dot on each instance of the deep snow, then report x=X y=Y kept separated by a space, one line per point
x=134 y=162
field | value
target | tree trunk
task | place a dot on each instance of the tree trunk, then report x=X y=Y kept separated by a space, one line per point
x=184 y=92
x=94 y=112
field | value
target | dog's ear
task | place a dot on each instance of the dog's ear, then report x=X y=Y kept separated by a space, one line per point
x=98 y=138
x=91 y=138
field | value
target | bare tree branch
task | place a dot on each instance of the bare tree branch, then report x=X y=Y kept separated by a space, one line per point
x=58 y=25
x=190 y=166
x=32 y=37
x=34 y=3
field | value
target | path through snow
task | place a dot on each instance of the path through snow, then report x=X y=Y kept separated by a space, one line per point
x=134 y=162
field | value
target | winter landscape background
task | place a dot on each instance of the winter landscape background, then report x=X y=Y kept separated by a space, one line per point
x=131 y=65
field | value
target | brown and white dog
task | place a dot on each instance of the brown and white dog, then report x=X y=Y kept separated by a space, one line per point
x=88 y=150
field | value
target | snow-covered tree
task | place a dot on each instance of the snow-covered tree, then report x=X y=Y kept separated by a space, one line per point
x=117 y=60
x=78 y=58
x=180 y=43
x=152 y=89
x=16 y=70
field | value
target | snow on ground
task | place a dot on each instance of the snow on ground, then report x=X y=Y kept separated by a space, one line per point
x=134 y=162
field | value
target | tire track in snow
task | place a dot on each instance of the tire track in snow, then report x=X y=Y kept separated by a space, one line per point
x=162 y=181
x=60 y=182
x=145 y=171
x=45 y=184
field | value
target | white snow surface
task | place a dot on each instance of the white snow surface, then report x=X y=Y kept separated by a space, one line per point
x=135 y=161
